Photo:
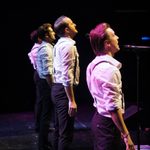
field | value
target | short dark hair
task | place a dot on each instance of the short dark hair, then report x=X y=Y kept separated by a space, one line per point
x=34 y=36
x=60 y=25
x=97 y=37
x=43 y=30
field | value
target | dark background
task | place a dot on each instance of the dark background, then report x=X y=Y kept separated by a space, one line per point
x=129 y=21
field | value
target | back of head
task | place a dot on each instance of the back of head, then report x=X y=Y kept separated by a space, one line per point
x=98 y=36
x=34 y=36
x=60 y=25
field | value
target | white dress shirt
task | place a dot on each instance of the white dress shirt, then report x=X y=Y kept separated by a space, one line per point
x=44 y=59
x=33 y=54
x=66 y=62
x=104 y=82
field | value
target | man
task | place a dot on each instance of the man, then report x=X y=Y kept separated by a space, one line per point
x=32 y=56
x=44 y=64
x=66 y=77
x=104 y=82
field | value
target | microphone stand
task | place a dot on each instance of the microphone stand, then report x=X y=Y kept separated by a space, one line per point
x=138 y=107
x=137 y=50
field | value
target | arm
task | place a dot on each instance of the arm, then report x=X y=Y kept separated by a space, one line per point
x=49 y=79
x=68 y=63
x=47 y=64
x=72 y=104
x=119 y=122
x=115 y=107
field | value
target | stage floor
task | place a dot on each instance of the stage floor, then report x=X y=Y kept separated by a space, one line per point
x=17 y=132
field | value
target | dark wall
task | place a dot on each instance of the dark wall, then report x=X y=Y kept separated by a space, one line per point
x=130 y=22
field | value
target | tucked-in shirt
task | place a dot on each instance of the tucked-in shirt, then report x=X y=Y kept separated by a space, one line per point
x=33 y=54
x=44 y=59
x=104 y=82
x=66 y=62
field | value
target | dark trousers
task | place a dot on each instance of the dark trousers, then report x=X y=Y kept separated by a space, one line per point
x=64 y=124
x=106 y=134
x=43 y=110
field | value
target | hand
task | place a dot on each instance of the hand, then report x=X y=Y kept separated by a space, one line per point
x=128 y=142
x=72 y=111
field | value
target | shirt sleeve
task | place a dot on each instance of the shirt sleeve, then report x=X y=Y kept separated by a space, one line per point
x=68 y=64
x=46 y=59
x=113 y=91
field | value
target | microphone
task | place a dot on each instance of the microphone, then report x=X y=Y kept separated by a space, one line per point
x=136 y=47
